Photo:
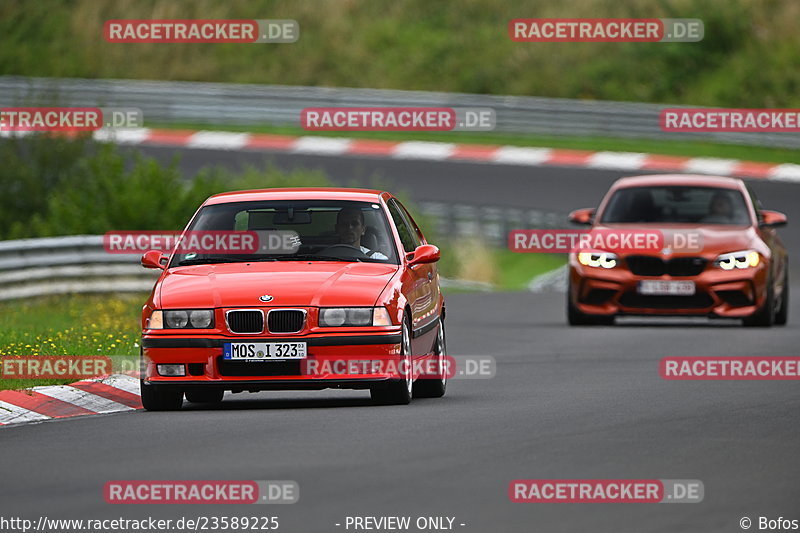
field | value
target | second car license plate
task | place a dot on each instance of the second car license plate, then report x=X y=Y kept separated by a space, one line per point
x=263 y=351
x=657 y=287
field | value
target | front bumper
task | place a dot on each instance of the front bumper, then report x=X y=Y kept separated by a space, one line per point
x=327 y=365
x=718 y=293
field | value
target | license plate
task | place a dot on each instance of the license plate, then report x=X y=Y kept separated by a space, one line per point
x=678 y=288
x=263 y=351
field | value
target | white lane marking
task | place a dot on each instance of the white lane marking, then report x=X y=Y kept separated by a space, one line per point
x=12 y=414
x=710 y=165
x=122 y=136
x=80 y=398
x=423 y=150
x=785 y=172
x=617 y=160
x=514 y=155
x=321 y=145
x=222 y=140
x=511 y=155
x=124 y=383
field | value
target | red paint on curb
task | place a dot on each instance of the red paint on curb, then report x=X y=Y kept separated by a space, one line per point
x=42 y=404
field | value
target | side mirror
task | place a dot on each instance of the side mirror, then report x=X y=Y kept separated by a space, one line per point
x=772 y=219
x=582 y=216
x=426 y=253
x=154 y=259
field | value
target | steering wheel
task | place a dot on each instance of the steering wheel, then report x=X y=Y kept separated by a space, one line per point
x=343 y=250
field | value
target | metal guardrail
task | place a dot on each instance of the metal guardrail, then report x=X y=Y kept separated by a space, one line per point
x=80 y=264
x=490 y=224
x=250 y=105
x=61 y=265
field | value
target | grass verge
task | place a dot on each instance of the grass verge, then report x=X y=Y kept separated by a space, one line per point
x=69 y=325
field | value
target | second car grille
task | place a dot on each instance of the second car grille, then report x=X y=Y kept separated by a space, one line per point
x=735 y=298
x=285 y=320
x=261 y=368
x=695 y=301
x=598 y=296
x=249 y=321
x=644 y=265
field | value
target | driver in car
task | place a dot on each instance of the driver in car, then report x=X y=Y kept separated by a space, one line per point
x=350 y=227
x=720 y=209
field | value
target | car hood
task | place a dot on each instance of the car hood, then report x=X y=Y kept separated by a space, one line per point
x=715 y=240
x=290 y=283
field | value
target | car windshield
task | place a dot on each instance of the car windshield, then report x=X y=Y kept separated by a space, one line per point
x=677 y=205
x=294 y=230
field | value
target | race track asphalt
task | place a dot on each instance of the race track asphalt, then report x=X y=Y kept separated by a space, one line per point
x=566 y=403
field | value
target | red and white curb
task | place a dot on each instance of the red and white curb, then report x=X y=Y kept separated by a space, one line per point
x=440 y=151
x=111 y=394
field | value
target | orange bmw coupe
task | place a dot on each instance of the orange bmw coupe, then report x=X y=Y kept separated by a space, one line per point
x=720 y=254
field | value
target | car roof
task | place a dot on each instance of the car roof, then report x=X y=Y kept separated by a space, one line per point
x=298 y=193
x=699 y=180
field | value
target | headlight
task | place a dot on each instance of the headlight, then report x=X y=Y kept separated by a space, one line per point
x=181 y=319
x=741 y=260
x=176 y=319
x=201 y=318
x=354 y=316
x=598 y=259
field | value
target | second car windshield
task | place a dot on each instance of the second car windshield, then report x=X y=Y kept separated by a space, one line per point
x=677 y=205
x=317 y=230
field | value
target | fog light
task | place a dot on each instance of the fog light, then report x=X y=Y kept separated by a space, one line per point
x=171 y=370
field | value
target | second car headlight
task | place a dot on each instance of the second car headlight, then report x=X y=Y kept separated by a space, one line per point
x=741 y=260
x=598 y=259
x=354 y=316
x=181 y=319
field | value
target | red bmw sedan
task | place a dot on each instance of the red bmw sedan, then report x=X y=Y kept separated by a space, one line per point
x=718 y=254
x=348 y=298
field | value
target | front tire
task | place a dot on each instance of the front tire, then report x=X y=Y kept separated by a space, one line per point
x=765 y=316
x=782 y=315
x=398 y=391
x=575 y=317
x=160 y=397
x=435 y=388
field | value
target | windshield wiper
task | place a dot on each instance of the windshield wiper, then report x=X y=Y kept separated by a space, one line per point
x=315 y=257
x=211 y=260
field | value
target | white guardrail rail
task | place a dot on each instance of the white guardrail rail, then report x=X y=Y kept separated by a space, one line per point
x=80 y=264
x=249 y=105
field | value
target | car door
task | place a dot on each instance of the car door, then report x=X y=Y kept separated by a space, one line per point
x=431 y=271
x=416 y=280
